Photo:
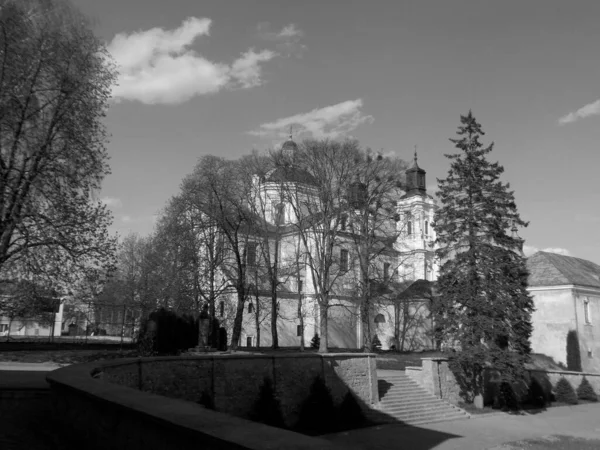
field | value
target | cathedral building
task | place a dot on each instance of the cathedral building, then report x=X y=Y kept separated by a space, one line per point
x=287 y=198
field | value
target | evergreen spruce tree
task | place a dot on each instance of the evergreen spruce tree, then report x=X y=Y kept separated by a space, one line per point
x=484 y=310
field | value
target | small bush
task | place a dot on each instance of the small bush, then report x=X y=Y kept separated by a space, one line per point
x=206 y=400
x=573 y=352
x=350 y=412
x=564 y=392
x=317 y=413
x=536 y=395
x=585 y=391
x=267 y=409
x=507 y=398
x=316 y=341
x=174 y=333
x=376 y=344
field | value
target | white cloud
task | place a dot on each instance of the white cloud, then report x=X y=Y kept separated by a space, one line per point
x=328 y=122
x=112 y=202
x=530 y=250
x=126 y=219
x=159 y=66
x=290 y=31
x=591 y=109
x=246 y=70
x=287 y=40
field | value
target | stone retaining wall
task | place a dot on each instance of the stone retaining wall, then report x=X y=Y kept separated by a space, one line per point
x=438 y=379
x=149 y=403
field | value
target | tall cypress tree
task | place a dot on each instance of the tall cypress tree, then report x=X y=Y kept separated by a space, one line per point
x=484 y=310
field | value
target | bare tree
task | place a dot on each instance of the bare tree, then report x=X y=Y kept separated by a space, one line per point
x=55 y=81
x=317 y=205
x=222 y=187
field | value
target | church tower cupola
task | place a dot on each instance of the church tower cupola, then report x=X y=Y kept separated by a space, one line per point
x=289 y=148
x=415 y=179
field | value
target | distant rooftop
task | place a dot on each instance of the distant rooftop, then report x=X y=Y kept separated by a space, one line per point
x=551 y=269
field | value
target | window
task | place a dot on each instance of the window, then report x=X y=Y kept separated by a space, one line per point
x=249 y=341
x=386 y=272
x=279 y=214
x=300 y=285
x=250 y=308
x=409 y=228
x=251 y=254
x=344 y=260
x=344 y=222
x=379 y=318
x=222 y=308
x=586 y=310
x=426 y=228
x=298 y=330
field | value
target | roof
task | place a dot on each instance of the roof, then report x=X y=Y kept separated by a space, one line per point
x=290 y=174
x=552 y=269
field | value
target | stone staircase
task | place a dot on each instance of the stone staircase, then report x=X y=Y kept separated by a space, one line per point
x=403 y=400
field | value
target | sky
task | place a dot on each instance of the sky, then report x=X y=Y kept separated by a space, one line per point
x=224 y=77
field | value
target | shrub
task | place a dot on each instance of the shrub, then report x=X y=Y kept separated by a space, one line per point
x=173 y=332
x=350 y=412
x=267 y=409
x=376 y=344
x=317 y=412
x=316 y=341
x=573 y=352
x=507 y=398
x=564 y=392
x=585 y=391
x=536 y=394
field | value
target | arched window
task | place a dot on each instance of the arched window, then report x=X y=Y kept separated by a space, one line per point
x=280 y=214
x=250 y=308
x=426 y=228
x=379 y=318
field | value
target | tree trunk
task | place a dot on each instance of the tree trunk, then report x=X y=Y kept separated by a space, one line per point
x=274 y=315
x=237 y=323
x=301 y=319
x=323 y=316
x=257 y=320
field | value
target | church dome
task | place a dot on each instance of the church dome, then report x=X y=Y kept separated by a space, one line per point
x=290 y=174
x=289 y=146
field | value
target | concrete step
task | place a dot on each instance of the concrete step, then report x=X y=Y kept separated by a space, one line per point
x=424 y=402
x=403 y=400
x=403 y=396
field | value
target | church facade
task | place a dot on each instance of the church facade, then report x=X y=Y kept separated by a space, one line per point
x=406 y=256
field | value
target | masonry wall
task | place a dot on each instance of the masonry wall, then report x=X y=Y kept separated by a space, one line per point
x=552 y=319
x=588 y=328
x=234 y=381
x=436 y=377
x=109 y=416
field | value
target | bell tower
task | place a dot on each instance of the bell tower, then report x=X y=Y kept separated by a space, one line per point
x=415 y=179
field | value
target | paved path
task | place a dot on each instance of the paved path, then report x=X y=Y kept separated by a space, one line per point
x=479 y=433
x=20 y=376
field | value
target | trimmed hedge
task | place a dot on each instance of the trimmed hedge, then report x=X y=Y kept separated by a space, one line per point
x=573 y=352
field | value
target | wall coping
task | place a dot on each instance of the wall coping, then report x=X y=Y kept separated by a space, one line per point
x=435 y=358
x=179 y=415
x=566 y=372
x=413 y=368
